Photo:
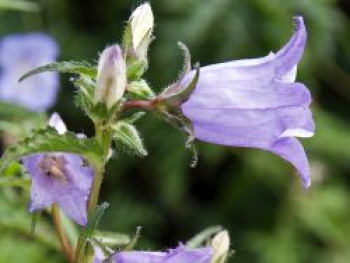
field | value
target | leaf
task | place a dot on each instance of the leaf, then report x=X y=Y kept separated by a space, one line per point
x=199 y=239
x=128 y=135
x=19 y=5
x=74 y=67
x=18 y=220
x=19 y=182
x=88 y=231
x=48 y=140
x=10 y=112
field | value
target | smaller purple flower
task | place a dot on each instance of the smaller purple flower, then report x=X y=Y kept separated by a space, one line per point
x=255 y=103
x=60 y=178
x=18 y=55
x=181 y=254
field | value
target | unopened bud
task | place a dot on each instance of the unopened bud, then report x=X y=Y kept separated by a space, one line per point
x=111 y=76
x=142 y=22
x=221 y=246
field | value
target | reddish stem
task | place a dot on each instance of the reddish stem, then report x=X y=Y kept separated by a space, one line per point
x=140 y=104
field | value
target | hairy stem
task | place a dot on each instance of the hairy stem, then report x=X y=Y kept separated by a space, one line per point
x=104 y=138
x=67 y=249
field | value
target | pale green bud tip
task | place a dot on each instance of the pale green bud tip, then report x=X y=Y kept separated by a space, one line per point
x=111 y=76
x=142 y=22
x=221 y=246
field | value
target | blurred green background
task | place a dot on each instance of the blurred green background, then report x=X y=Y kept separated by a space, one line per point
x=255 y=195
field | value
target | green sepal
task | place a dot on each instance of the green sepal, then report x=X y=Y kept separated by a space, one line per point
x=126 y=134
x=178 y=120
x=111 y=239
x=139 y=90
x=127 y=39
x=186 y=68
x=99 y=111
x=176 y=94
x=84 y=97
x=135 y=68
x=201 y=239
x=133 y=241
x=74 y=67
x=48 y=140
x=136 y=65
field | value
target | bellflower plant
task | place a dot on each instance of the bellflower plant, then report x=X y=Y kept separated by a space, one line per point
x=19 y=54
x=245 y=103
x=61 y=178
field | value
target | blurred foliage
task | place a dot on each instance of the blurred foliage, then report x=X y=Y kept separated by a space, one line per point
x=253 y=194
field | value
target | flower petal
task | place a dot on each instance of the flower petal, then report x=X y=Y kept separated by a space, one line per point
x=74 y=204
x=292 y=151
x=41 y=187
x=139 y=257
x=292 y=52
x=252 y=128
x=56 y=122
x=19 y=54
x=183 y=255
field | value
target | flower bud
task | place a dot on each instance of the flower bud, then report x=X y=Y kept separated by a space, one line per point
x=221 y=246
x=142 y=22
x=111 y=76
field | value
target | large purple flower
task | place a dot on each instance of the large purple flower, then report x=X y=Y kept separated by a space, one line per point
x=255 y=103
x=180 y=254
x=60 y=178
x=18 y=55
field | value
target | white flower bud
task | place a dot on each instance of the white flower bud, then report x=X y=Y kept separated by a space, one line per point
x=221 y=246
x=111 y=76
x=142 y=22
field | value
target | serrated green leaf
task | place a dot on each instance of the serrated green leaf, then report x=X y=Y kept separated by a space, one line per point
x=128 y=135
x=48 y=140
x=74 y=67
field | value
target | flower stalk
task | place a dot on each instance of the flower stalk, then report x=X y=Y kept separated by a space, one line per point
x=103 y=136
x=66 y=247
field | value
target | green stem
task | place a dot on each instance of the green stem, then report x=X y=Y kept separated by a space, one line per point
x=104 y=138
x=61 y=233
